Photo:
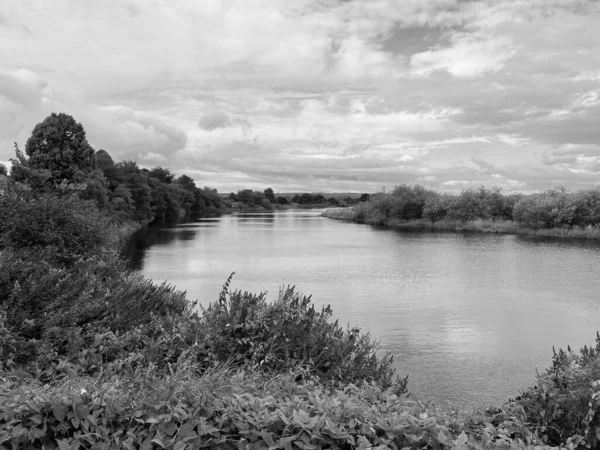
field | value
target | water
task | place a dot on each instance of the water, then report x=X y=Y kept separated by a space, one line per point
x=467 y=315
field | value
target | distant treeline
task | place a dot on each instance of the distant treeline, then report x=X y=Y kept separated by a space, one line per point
x=556 y=207
x=267 y=199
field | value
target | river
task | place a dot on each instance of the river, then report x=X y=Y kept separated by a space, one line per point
x=467 y=315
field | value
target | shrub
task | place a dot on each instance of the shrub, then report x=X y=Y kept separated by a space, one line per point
x=289 y=333
x=565 y=400
x=69 y=226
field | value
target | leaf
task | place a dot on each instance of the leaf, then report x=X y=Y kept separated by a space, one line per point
x=267 y=438
x=63 y=444
x=442 y=439
x=179 y=445
x=158 y=441
x=462 y=439
x=60 y=411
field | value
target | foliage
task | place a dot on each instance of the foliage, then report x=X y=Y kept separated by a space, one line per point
x=59 y=144
x=245 y=329
x=67 y=228
x=163 y=175
x=269 y=195
x=554 y=208
x=225 y=409
x=565 y=400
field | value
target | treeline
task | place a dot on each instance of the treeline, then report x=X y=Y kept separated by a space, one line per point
x=556 y=207
x=58 y=158
x=247 y=198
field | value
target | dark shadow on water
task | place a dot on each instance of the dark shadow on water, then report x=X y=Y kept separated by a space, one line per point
x=262 y=218
x=162 y=233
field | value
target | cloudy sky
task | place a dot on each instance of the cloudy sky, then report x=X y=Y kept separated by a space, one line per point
x=317 y=95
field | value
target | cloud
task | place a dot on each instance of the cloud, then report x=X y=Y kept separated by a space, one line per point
x=126 y=133
x=469 y=56
x=316 y=95
x=210 y=122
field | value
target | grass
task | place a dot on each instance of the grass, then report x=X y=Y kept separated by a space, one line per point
x=480 y=225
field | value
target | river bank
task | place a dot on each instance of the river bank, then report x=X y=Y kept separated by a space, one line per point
x=480 y=225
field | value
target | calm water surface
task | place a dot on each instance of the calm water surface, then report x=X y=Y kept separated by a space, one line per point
x=467 y=315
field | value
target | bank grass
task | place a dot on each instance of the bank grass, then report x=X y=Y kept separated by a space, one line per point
x=479 y=225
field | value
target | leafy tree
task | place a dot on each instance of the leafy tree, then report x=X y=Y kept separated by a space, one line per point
x=135 y=181
x=162 y=174
x=436 y=208
x=364 y=197
x=59 y=144
x=282 y=200
x=3 y=170
x=269 y=194
x=318 y=199
x=121 y=203
x=187 y=183
x=305 y=199
x=103 y=160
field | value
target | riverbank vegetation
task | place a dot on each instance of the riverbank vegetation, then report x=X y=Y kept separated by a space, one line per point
x=247 y=199
x=95 y=356
x=555 y=212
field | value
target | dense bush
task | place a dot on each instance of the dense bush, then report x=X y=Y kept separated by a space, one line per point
x=554 y=208
x=565 y=400
x=65 y=228
x=245 y=329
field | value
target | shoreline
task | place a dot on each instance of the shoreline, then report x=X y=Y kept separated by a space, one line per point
x=479 y=226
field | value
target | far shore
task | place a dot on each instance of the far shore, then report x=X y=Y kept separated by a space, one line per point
x=480 y=225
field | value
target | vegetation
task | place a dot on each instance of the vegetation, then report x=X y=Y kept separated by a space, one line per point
x=93 y=356
x=555 y=212
x=249 y=199
x=61 y=159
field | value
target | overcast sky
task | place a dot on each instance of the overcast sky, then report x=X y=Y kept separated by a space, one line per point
x=316 y=95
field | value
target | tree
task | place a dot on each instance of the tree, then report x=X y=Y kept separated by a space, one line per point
x=103 y=160
x=305 y=199
x=187 y=183
x=59 y=144
x=270 y=195
x=364 y=197
x=3 y=170
x=164 y=175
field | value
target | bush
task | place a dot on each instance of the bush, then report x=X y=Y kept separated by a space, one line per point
x=66 y=228
x=289 y=333
x=565 y=400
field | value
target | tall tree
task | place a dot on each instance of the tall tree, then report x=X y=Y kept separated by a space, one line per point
x=59 y=144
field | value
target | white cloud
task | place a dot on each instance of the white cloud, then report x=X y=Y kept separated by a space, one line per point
x=266 y=92
x=470 y=56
